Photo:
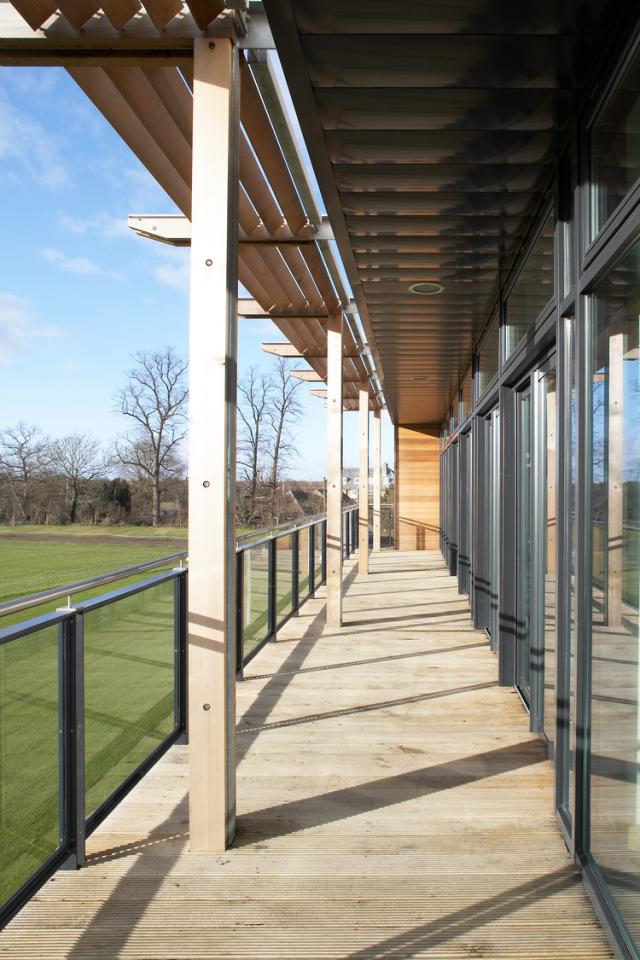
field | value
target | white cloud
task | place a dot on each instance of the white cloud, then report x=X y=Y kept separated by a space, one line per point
x=17 y=326
x=259 y=327
x=103 y=225
x=176 y=277
x=145 y=194
x=171 y=268
x=80 y=265
x=38 y=81
x=34 y=152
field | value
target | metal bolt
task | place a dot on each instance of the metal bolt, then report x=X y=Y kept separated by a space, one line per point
x=206 y=483
x=209 y=263
x=206 y=706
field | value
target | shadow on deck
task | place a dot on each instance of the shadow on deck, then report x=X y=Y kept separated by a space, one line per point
x=391 y=804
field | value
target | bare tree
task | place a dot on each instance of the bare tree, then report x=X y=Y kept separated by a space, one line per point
x=77 y=459
x=255 y=397
x=155 y=399
x=285 y=411
x=23 y=460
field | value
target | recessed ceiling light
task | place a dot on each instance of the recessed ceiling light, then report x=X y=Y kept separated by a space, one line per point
x=426 y=288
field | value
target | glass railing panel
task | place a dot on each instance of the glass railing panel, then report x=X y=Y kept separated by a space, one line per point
x=303 y=565
x=255 y=611
x=129 y=686
x=317 y=555
x=284 y=576
x=30 y=756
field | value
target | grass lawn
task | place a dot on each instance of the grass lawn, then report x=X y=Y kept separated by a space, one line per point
x=88 y=530
x=27 y=567
x=129 y=681
x=129 y=675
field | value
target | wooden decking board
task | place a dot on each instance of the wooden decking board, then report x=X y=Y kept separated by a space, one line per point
x=392 y=804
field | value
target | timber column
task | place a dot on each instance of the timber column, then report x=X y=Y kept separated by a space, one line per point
x=334 y=470
x=212 y=441
x=377 y=478
x=363 y=481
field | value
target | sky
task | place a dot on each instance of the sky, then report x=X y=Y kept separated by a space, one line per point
x=79 y=292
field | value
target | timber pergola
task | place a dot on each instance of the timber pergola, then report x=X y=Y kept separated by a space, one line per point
x=190 y=89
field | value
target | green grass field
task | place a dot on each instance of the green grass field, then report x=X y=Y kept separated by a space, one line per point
x=29 y=567
x=129 y=674
x=87 y=530
x=129 y=681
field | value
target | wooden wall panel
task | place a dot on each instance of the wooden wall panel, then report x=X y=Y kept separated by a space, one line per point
x=418 y=487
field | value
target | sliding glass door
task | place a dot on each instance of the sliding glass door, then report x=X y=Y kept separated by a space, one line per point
x=464 y=553
x=524 y=539
x=548 y=559
x=614 y=782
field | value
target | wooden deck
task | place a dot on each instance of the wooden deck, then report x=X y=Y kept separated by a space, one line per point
x=392 y=804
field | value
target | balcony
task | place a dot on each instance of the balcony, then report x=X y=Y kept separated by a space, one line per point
x=392 y=803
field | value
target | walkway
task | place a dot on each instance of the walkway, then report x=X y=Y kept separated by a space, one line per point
x=392 y=804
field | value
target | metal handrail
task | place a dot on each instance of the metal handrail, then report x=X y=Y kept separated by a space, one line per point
x=79 y=586
x=71 y=624
x=272 y=533
x=266 y=533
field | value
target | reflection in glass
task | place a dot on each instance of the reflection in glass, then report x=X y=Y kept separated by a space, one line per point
x=494 y=538
x=255 y=614
x=464 y=560
x=317 y=550
x=567 y=718
x=284 y=576
x=615 y=714
x=29 y=756
x=615 y=149
x=524 y=545
x=550 y=557
x=532 y=290
x=466 y=395
x=489 y=356
x=303 y=564
x=454 y=532
x=128 y=686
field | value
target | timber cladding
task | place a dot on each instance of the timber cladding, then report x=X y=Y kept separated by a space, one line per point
x=418 y=486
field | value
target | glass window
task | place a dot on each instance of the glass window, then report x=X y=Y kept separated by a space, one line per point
x=550 y=525
x=568 y=225
x=532 y=290
x=615 y=149
x=466 y=395
x=615 y=713
x=453 y=415
x=566 y=693
x=489 y=355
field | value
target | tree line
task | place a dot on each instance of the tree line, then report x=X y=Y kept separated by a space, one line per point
x=141 y=476
x=269 y=409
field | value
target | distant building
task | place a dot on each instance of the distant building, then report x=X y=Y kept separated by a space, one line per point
x=351 y=477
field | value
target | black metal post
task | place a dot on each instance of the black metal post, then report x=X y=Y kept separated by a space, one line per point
x=180 y=651
x=312 y=559
x=295 y=569
x=72 y=708
x=324 y=551
x=240 y=614
x=273 y=616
